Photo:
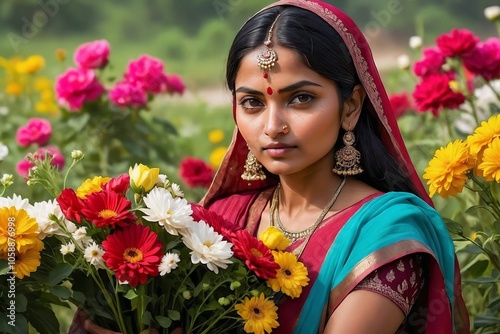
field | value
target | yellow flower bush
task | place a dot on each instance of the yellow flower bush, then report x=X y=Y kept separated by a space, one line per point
x=217 y=155
x=260 y=314
x=216 y=136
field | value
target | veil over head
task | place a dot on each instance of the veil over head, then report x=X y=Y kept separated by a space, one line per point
x=227 y=179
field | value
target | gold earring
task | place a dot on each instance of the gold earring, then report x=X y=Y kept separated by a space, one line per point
x=253 y=169
x=347 y=159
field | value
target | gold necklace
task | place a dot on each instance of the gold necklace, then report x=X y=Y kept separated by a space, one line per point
x=297 y=235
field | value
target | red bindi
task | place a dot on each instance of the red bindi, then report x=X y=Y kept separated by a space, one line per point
x=269 y=91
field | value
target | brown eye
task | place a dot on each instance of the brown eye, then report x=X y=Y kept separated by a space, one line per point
x=251 y=103
x=302 y=99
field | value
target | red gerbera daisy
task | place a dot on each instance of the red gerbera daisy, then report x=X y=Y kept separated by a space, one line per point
x=220 y=225
x=255 y=254
x=133 y=253
x=107 y=208
x=118 y=184
x=70 y=204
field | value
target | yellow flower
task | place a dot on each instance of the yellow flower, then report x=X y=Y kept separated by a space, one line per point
x=143 y=176
x=61 y=55
x=215 y=136
x=42 y=84
x=274 y=238
x=90 y=186
x=18 y=227
x=13 y=88
x=260 y=315
x=31 y=65
x=447 y=171
x=217 y=155
x=26 y=263
x=483 y=135
x=46 y=108
x=490 y=165
x=291 y=276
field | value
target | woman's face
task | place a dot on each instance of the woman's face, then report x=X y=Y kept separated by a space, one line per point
x=290 y=120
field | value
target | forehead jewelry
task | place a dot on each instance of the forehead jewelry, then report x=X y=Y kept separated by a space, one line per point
x=268 y=57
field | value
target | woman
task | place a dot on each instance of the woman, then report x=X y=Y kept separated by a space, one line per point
x=308 y=100
x=317 y=153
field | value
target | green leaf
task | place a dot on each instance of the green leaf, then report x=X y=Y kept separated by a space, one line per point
x=475 y=208
x=167 y=126
x=42 y=318
x=483 y=280
x=496 y=226
x=61 y=292
x=21 y=303
x=164 y=322
x=4 y=267
x=472 y=249
x=453 y=226
x=174 y=315
x=483 y=320
x=131 y=294
x=17 y=325
x=60 y=272
x=478 y=268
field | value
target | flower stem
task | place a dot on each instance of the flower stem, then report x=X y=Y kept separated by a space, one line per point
x=474 y=110
x=448 y=124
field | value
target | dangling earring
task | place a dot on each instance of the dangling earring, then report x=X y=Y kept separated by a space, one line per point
x=253 y=169
x=347 y=159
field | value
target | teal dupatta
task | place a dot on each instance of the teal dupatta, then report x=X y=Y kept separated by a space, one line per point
x=392 y=225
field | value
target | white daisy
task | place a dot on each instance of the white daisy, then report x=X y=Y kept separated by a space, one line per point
x=174 y=214
x=93 y=254
x=176 y=189
x=47 y=214
x=168 y=263
x=208 y=247
x=4 y=151
x=16 y=201
x=7 y=180
x=68 y=248
x=162 y=180
x=81 y=237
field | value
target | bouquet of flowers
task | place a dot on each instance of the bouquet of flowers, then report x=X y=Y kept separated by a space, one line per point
x=133 y=254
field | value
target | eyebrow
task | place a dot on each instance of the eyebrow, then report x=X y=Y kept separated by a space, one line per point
x=286 y=89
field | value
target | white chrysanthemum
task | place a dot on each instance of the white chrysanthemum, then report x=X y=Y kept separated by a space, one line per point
x=207 y=246
x=484 y=98
x=4 y=111
x=44 y=212
x=16 y=201
x=168 y=263
x=81 y=237
x=415 y=42
x=162 y=179
x=70 y=226
x=7 y=180
x=176 y=189
x=4 y=151
x=174 y=214
x=93 y=254
x=492 y=13
x=68 y=248
x=403 y=62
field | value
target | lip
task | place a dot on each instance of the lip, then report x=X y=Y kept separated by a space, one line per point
x=278 y=149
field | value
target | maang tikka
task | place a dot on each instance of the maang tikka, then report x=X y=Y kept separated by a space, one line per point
x=268 y=57
x=348 y=158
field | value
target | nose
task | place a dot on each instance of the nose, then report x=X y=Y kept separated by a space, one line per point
x=275 y=124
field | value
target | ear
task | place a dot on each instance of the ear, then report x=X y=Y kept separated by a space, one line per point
x=352 y=107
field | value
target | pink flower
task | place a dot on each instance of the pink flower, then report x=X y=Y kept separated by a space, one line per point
x=57 y=161
x=92 y=55
x=484 y=59
x=457 y=43
x=196 y=173
x=400 y=103
x=76 y=86
x=434 y=93
x=431 y=62
x=175 y=84
x=36 y=131
x=147 y=73
x=124 y=94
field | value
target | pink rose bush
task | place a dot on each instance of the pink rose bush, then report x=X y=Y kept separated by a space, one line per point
x=36 y=131
x=144 y=76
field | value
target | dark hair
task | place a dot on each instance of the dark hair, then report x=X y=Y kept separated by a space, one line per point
x=325 y=52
